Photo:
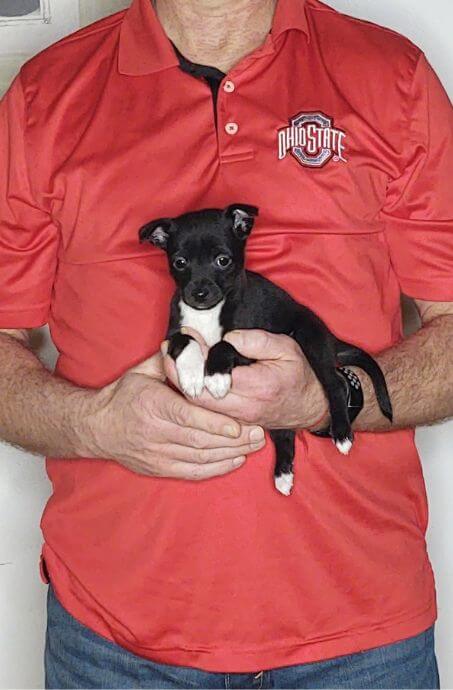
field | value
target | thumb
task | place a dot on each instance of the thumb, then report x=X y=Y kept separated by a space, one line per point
x=153 y=366
x=258 y=344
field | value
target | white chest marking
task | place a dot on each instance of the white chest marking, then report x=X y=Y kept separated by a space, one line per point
x=205 y=321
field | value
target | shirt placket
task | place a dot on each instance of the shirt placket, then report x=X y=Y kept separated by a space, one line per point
x=233 y=147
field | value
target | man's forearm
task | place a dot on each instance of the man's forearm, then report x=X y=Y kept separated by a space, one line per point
x=39 y=412
x=419 y=375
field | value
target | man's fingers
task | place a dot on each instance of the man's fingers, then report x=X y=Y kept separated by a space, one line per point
x=183 y=470
x=199 y=439
x=153 y=366
x=169 y=367
x=257 y=381
x=209 y=455
x=258 y=344
x=233 y=405
x=185 y=413
x=197 y=336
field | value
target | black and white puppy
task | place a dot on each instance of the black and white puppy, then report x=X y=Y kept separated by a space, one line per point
x=215 y=294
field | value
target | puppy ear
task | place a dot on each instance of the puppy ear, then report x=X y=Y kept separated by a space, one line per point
x=243 y=217
x=156 y=232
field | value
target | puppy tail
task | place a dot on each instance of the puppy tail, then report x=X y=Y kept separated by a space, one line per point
x=350 y=355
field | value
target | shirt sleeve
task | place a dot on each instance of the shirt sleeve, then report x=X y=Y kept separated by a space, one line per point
x=419 y=208
x=28 y=238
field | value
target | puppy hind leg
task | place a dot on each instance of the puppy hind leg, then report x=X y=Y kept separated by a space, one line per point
x=340 y=426
x=320 y=354
x=284 y=441
x=222 y=358
x=189 y=362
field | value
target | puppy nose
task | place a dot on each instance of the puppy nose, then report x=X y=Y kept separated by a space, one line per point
x=201 y=293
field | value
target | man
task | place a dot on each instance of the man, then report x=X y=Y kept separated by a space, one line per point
x=342 y=135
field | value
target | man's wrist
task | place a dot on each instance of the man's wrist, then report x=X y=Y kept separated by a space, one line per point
x=354 y=399
x=321 y=423
x=88 y=408
x=318 y=405
x=370 y=418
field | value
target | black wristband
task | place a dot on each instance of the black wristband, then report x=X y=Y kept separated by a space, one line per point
x=354 y=398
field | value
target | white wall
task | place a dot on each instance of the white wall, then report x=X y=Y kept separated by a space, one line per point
x=24 y=487
x=19 y=40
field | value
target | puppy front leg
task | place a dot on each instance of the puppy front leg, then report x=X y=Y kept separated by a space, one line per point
x=189 y=362
x=222 y=359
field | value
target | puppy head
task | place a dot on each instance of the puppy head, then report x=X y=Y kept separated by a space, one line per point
x=205 y=250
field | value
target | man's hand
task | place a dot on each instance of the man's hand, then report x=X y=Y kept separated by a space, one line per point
x=151 y=429
x=280 y=391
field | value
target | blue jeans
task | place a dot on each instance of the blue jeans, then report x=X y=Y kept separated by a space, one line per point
x=76 y=657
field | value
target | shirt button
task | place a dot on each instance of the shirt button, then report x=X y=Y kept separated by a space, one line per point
x=229 y=86
x=231 y=128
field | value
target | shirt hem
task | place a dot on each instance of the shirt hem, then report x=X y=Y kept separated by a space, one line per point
x=237 y=660
x=243 y=661
x=273 y=655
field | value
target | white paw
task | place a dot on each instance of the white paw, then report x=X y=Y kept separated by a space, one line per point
x=218 y=384
x=284 y=483
x=344 y=446
x=190 y=369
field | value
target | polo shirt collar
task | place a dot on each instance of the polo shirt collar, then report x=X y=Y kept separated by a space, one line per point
x=289 y=14
x=144 y=47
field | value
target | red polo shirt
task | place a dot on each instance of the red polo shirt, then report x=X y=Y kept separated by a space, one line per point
x=341 y=133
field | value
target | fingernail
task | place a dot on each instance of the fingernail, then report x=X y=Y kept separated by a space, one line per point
x=256 y=434
x=237 y=462
x=231 y=431
x=183 y=329
x=164 y=347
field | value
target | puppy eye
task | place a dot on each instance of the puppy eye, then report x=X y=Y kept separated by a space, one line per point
x=223 y=261
x=180 y=263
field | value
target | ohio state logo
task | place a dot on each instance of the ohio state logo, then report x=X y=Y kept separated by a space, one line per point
x=312 y=139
